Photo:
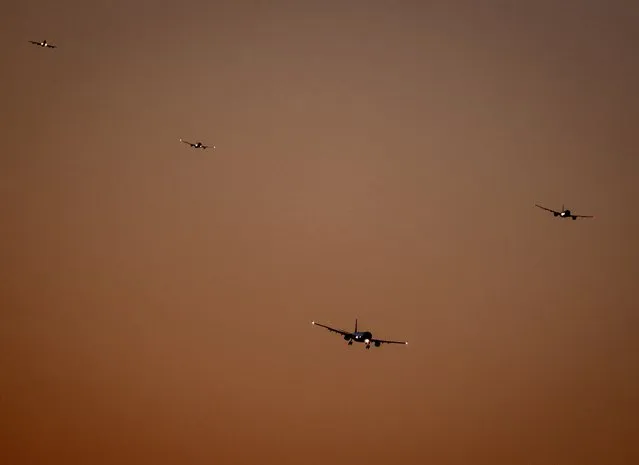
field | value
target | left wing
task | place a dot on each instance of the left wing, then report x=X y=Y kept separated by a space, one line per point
x=583 y=216
x=338 y=331
x=381 y=341
x=547 y=209
x=185 y=141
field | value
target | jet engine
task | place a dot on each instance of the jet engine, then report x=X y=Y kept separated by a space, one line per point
x=347 y=338
x=377 y=343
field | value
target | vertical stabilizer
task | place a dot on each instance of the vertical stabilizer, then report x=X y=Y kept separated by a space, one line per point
x=355 y=324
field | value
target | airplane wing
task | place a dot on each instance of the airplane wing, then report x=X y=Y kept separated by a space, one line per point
x=381 y=341
x=185 y=141
x=338 y=331
x=547 y=209
x=52 y=46
x=583 y=216
x=34 y=42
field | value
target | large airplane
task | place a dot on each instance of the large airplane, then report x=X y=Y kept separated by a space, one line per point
x=365 y=337
x=564 y=213
x=197 y=145
x=43 y=44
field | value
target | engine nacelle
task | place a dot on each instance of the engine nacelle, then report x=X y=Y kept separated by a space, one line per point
x=347 y=338
x=377 y=343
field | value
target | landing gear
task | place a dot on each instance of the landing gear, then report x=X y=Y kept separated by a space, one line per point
x=368 y=346
x=350 y=343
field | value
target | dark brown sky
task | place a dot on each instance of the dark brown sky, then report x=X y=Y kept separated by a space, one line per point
x=373 y=161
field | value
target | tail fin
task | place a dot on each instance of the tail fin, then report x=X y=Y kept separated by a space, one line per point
x=355 y=324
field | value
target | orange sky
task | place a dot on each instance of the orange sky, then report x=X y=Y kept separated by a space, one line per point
x=373 y=161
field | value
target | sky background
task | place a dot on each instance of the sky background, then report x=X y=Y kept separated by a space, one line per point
x=378 y=160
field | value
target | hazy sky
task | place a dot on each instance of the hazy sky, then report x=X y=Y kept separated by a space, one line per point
x=377 y=160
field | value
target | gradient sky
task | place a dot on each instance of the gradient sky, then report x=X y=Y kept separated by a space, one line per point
x=377 y=160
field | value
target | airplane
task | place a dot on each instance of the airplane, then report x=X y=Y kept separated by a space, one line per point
x=365 y=337
x=564 y=213
x=197 y=145
x=43 y=44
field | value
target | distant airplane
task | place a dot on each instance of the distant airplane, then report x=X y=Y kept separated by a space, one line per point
x=365 y=337
x=564 y=213
x=43 y=44
x=197 y=145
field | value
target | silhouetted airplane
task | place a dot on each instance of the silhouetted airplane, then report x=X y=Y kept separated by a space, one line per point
x=359 y=336
x=43 y=44
x=197 y=145
x=564 y=213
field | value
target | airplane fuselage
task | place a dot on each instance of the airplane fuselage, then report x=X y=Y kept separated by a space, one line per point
x=364 y=337
x=565 y=214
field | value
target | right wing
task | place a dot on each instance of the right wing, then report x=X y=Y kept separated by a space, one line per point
x=34 y=42
x=382 y=341
x=547 y=209
x=338 y=331
x=583 y=216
